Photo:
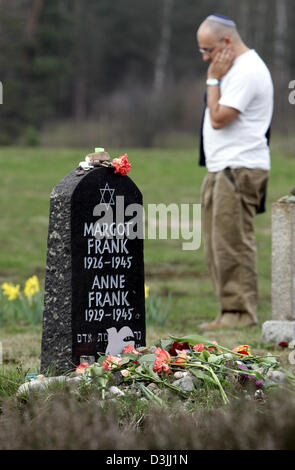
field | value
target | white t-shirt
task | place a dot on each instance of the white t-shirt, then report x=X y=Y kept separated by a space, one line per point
x=247 y=87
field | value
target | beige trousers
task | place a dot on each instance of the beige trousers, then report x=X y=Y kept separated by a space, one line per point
x=230 y=199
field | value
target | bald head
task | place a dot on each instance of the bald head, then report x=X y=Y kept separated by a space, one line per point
x=217 y=28
x=211 y=28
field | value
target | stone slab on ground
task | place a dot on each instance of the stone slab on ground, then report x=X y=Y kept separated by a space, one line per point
x=283 y=261
x=281 y=327
x=275 y=331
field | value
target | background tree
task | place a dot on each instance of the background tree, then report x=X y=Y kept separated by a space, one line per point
x=133 y=71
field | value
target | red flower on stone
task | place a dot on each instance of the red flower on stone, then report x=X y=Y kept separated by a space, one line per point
x=121 y=164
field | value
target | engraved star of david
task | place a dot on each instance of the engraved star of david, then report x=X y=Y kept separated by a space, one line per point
x=107 y=199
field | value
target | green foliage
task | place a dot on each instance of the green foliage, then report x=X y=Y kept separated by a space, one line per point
x=20 y=308
x=31 y=137
x=157 y=310
x=10 y=380
x=71 y=61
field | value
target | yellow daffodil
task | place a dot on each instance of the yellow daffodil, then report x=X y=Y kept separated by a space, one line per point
x=31 y=287
x=10 y=290
x=146 y=291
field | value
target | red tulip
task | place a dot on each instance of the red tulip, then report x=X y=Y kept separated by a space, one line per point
x=178 y=347
x=161 y=366
x=199 y=347
x=129 y=349
x=82 y=367
x=163 y=354
x=112 y=362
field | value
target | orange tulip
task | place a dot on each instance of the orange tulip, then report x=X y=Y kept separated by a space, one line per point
x=181 y=359
x=243 y=349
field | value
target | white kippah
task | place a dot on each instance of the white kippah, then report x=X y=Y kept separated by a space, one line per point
x=222 y=19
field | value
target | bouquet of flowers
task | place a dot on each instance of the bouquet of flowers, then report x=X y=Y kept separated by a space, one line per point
x=183 y=364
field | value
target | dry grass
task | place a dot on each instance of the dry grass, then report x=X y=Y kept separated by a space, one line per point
x=21 y=347
x=63 y=422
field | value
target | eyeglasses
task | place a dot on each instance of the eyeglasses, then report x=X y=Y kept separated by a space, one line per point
x=209 y=50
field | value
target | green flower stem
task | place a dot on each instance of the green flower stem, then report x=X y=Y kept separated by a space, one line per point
x=177 y=389
x=148 y=377
x=150 y=395
x=209 y=369
x=242 y=372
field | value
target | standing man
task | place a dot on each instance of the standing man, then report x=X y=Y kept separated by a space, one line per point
x=235 y=148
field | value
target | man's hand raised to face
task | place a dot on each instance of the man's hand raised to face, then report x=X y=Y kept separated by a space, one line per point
x=221 y=64
x=220 y=115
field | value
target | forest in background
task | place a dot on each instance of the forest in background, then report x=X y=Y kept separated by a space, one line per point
x=128 y=69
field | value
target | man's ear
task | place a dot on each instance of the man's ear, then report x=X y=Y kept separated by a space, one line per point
x=228 y=41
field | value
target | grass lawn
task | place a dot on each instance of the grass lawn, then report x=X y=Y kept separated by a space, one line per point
x=55 y=418
x=164 y=176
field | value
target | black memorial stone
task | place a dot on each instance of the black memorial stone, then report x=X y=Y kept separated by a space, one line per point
x=94 y=287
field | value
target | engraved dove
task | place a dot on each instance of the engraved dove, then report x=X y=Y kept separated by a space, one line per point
x=116 y=342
